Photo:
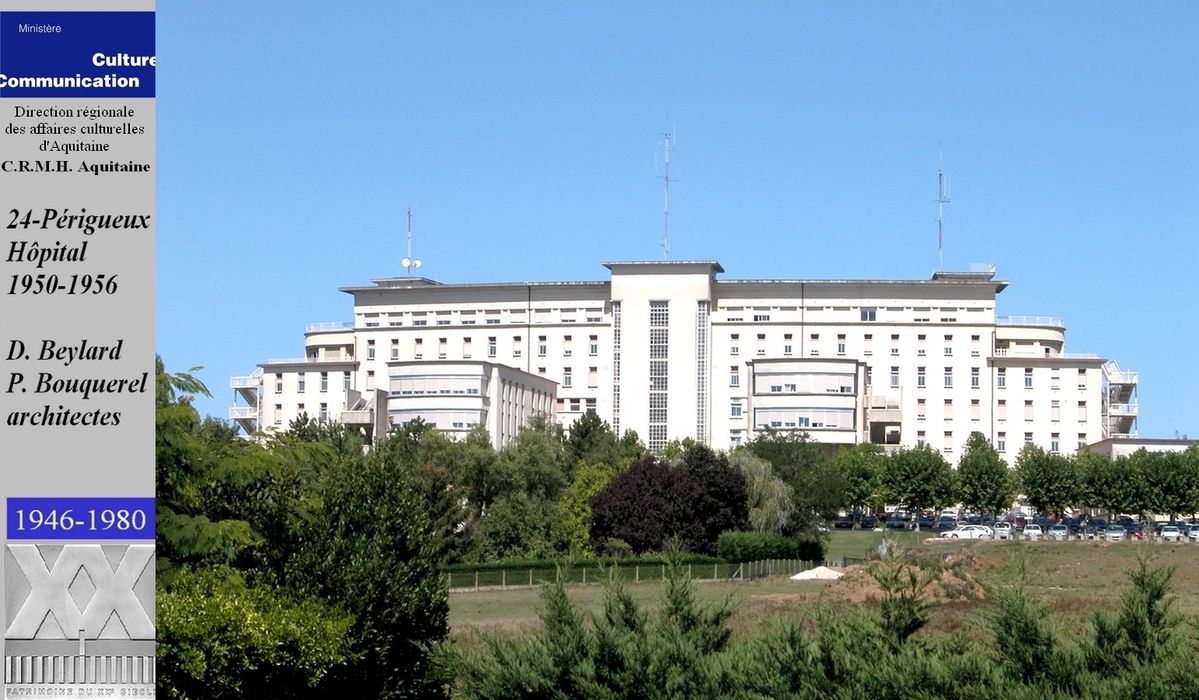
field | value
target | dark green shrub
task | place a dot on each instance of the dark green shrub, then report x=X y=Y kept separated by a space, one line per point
x=756 y=546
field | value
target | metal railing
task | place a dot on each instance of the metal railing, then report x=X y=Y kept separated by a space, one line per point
x=1049 y=321
x=245 y=382
x=329 y=326
x=242 y=412
x=1122 y=409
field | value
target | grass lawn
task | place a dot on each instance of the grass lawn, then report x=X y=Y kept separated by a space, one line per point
x=1072 y=579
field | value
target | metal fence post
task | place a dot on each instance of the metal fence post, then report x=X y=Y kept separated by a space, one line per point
x=637 y=574
x=584 y=574
x=476 y=579
x=530 y=577
x=503 y=578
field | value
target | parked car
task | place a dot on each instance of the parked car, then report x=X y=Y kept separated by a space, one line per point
x=1170 y=533
x=869 y=522
x=1059 y=532
x=1193 y=533
x=1032 y=531
x=844 y=523
x=1003 y=530
x=894 y=523
x=1115 y=534
x=969 y=532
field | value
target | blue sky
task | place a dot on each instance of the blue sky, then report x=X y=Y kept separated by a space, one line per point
x=527 y=138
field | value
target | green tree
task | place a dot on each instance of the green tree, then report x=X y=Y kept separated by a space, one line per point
x=1050 y=481
x=918 y=478
x=1114 y=486
x=985 y=483
x=1171 y=480
x=770 y=500
x=575 y=504
x=591 y=440
x=860 y=468
x=518 y=526
x=373 y=552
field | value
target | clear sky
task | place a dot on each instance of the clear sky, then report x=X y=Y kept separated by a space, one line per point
x=527 y=138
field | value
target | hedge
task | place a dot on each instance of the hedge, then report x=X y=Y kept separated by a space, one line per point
x=756 y=546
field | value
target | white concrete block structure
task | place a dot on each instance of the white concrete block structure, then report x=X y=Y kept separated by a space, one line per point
x=671 y=351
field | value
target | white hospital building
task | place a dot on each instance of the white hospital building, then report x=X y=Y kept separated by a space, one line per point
x=672 y=350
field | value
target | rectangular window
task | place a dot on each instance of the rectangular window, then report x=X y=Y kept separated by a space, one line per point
x=869 y=313
x=370 y=349
x=920 y=441
x=761 y=318
x=516 y=348
x=418 y=348
x=299 y=408
x=345 y=381
x=1082 y=411
x=761 y=344
x=278 y=383
x=975 y=377
x=1028 y=410
x=948 y=409
x=734 y=344
x=441 y=348
x=869 y=376
x=948 y=377
x=1001 y=378
x=1001 y=442
x=324 y=414
x=370 y=380
x=1055 y=379
x=920 y=409
x=1082 y=380
x=894 y=376
x=301 y=381
x=734 y=376
x=841 y=344
x=1001 y=410
x=975 y=410
x=567 y=346
x=324 y=382
x=566 y=378
x=1028 y=438
x=466 y=348
x=1055 y=442
x=1028 y=378
x=919 y=376
x=593 y=377
x=1082 y=441
x=735 y=409
x=542 y=346
x=947 y=446
x=395 y=348
x=1055 y=409
x=593 y=345
x=491 y=346
x=278 y=413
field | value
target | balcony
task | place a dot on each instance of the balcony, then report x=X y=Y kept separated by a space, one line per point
x=243 y=413
x=1039 y=321
x=1122 y=409
x=361 y=417
x=329 y=326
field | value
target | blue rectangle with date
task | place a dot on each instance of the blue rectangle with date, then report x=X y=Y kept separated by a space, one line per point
x=80 y=518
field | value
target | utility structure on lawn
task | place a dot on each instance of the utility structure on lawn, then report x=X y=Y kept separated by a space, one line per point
x=671 y=350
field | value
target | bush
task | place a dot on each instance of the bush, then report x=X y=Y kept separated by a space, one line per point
x=755 y=546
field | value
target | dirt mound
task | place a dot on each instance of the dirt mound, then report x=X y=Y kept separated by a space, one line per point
x=948 y=578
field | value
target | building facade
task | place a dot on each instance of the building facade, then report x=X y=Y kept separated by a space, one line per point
x=669 y=350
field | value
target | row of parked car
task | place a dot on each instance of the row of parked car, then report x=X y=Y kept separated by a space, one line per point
x=1013 y=526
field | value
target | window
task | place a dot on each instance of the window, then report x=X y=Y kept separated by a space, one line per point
x=841 y=344
x=542 y=346
x=395 y=348
x=920 y=409
x=324 y=382
x=593 y=377
x=920 y=350
x=948 y=377
x=370 y=349
x=866 y=344
x=324 y=414
x=948 y=351
x=567 y=378
x=1055 y=408
x=1028 y=438
x=948 y=409
x=735 y=342
x=735 y=409
x=975 y=377
x=974 y=352
x=869 y=376
x=466 y=348
x=919 y=376
x=1001 y=410
x=299 y=408
x=734 y=376
x=541 y=371
x=516 y=349
x=567 y=346
x=593 y=345
x=1028 y=378
x=786 y=343
x=1001 y=378
x=441 y=348
x=1082 y=441
x=975 y=410
x=301 y=381
x=1055 y=379
x=278 y=413
x=491 y=346
x=869 y=313
x=761 y=318
x=736 y=438
x=1055 y=442
x=345 y=381
x=1082 y=380
x=1028 y=410
x=894 y=376
x=1001 y=442
x=761 y=344
x=370 y=380
x=1082 y=411
x=920 y=441
x=418 y=348
x=278 y=383
x=947 y=446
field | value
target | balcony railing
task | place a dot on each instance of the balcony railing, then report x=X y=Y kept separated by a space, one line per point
x=248 y=382
x=1123 y=377
x=1122 y=409
x=242 y=412
x=329 y=326
x=357 y=417
x=1048 y=321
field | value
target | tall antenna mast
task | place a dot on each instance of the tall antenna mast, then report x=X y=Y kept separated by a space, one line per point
x=941 y=200
x=409 y=262
x=666 y=198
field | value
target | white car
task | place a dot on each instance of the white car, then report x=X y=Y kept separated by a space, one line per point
x=1193 y=533
x=1032 y=532
x=1059 y=532
x=1115 y=534
x=1170 y=533
x=969 y=532
x=1003 y=531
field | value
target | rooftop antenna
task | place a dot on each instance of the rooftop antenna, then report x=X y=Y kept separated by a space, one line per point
x=666 y=136
x=941 y=200
x=409 y=262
